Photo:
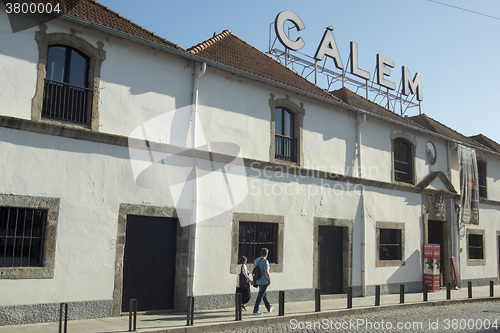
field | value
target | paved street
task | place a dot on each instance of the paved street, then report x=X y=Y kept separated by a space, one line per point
x=472 y=317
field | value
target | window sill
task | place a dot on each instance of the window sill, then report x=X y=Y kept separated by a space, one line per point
x=14 y=273
x=389 y=263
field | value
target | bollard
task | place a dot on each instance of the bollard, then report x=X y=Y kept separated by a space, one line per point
x=377 y=295
x=349 y=297
x=65 y=306
x=190 y=311
x=469 y=287
x=132 y=314
x=401 y=294
x=491 y=288
x=281 y=311
x=425 y=292
x=448 y=290
x=317 y=300
x=237 y=307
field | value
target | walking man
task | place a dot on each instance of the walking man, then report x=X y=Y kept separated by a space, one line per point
x=263 y=282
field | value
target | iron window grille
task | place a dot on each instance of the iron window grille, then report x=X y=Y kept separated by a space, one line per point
x=390 y=244
x=403 y=161
x=481 y=172
x=22 y=236
x=253 y=236
x=475 y=246
x=67 y=95
x=285 y=141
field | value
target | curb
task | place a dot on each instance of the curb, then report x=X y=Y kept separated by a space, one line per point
x=312 y=316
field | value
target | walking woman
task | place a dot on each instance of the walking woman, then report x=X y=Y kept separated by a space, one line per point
x=243 y=281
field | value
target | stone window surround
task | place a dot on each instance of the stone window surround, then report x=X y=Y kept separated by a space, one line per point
x=412 y=141
x=49 y=251
x=298 y=112
x=475 y=262
x=346 y=224
x=390 y=225
x=96 y=57
x=237 y=217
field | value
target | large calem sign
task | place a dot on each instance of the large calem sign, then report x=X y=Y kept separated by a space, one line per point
x=328 y=47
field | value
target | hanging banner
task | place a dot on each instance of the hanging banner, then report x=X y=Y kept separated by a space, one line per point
x=469 y=189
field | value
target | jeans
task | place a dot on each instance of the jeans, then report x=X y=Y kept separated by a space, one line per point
x=262 y=296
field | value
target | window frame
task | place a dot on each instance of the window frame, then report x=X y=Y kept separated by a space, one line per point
x=390 y=225
x=257 y=218
x=475 y=262
x=298 y=119
x=51 y=205
x=412 y=150
x=96 y=57
x=482 y=178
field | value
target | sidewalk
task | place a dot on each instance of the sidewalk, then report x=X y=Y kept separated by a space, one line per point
x=224 y=319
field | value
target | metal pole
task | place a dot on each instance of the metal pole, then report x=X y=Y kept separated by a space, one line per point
x=448 y=290
x=349 y=297
x=237 y=307
x=65 y=307
x=190 y=311
x=317 y=300
x=491 y=288
x=425 y=292
x=132 y=315
x=469 y=287
x=401 y=293
x=281 y=303
x=377 y=295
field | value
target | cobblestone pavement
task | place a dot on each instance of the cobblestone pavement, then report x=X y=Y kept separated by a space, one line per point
x=471 y=317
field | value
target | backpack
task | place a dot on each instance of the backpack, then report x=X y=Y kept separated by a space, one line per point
x=256 y=273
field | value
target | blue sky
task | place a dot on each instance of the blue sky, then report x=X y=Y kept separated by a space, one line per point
x=456 y=51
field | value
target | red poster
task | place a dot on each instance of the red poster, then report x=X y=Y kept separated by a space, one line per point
x=432 y=266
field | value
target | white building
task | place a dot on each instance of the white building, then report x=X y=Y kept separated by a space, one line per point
x=103 y=164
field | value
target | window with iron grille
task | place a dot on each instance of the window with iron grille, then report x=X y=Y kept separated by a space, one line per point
x=253 y=236
x=390 y=244
x=67 y=95
x=285 y=141
x=403 y=161
x=475 y=246
x=481 y=172
x=22 y=236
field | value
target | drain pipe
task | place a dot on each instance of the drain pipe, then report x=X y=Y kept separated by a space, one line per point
x=192 y=227
x=362 y=202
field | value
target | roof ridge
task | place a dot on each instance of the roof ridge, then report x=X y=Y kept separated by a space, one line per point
x=133 y=23
x=209 y=42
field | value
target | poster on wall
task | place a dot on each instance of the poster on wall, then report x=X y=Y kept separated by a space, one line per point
x=469 y=189
x=432 y=266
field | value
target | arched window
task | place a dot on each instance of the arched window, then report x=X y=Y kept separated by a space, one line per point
x=285 y=141
x=403 y=161
x=481 y=172
x=67 y=95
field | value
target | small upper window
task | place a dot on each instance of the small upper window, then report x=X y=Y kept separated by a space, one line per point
x=67 y=95
x=285 y=141
x=430 y=153
x=403 y=161
x=481 y=173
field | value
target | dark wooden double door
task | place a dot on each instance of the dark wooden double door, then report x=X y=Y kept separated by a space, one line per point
x=331 y=259
x=149 y=262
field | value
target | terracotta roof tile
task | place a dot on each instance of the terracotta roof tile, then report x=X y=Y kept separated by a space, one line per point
x=228 y=49
x=485 y=141
x=436 y=127
x=93 y=11
x=351 y=98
